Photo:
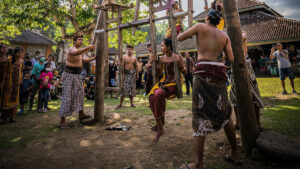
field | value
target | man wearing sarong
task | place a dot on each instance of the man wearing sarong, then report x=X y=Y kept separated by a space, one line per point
x=73 y=92
x=10 y=97
x=148 y=71
x=166 y=88
x=140 y=66
x=189 y=77
x=258 y=103
x=130 y=76
x=211 y=109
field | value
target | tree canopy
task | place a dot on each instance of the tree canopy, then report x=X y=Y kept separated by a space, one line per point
x=63 y=18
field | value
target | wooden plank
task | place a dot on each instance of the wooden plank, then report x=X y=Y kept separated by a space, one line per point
x=190 y=13
x=112 y=89
x=153 y=40
x=120 y=45
x=99 y=96
x=136 y=14
x=172 y=22
x=112 y=6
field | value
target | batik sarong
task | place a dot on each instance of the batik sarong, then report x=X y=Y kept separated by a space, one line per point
x=72 y=92
x=211 y=109
x=129 y=84
x=253 y=85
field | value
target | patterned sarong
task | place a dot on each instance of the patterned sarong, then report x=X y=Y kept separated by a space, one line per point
x=129 y=84
x=72 y=93
x=211 y=109
x=253 y=84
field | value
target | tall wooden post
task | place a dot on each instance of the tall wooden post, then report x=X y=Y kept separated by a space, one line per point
x=244 y=100
x=190 y=11
x=136 y=14
x=100 y=54
x=120 y=45
x=106 y=34
x=153 y=40
x=172 y=22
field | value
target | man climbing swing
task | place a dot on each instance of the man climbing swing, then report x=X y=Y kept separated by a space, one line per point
x=166 y=87
x=73 y=91
x=211 y=109
x=130 y=76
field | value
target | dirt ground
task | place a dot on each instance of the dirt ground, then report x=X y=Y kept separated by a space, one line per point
x=91 y=146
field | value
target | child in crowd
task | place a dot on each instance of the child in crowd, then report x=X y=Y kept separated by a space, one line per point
x=25 y=89
x=46 y=78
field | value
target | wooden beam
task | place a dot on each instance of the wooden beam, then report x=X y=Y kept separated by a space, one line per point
x=143 y=22
x=100 y=54
x=190 y=13
x=153 y=40
x=172 y=22
x=120 y=45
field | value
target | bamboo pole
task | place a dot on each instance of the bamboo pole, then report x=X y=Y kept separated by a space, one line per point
x=100 y=54
x=244 y=100
x=136 y=14
x=120 y=45
x=172 y=22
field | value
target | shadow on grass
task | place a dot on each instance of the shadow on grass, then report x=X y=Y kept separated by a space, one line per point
x=282 y=115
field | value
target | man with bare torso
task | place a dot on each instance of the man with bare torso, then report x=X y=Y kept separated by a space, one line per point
x=130 y=76
x=73 y=91
x=211 y=109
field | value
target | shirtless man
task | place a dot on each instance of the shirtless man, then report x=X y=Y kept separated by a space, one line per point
x=211 y=109
x=130 y=76
x=73 y=91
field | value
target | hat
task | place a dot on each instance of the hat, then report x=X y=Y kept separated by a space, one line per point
x=42 y=59
x=278 y=44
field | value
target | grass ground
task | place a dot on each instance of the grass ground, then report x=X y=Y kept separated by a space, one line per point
x=35 y=140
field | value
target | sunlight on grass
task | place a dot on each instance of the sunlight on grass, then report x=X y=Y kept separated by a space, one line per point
x=16 y=139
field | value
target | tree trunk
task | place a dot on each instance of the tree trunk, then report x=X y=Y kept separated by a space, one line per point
x=244 y=100
x=100 y=61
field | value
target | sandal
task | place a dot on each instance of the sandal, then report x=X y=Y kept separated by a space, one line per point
x=231 y=160
x=186 y=166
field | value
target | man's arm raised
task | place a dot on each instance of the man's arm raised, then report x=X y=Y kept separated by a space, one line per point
x=75 y=52
x=189 y=33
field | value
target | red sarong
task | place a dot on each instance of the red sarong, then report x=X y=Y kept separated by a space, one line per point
x=214 y=70
x=158 y=100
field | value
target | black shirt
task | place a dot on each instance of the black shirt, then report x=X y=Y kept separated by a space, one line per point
x=112 y=71
x=27 y=63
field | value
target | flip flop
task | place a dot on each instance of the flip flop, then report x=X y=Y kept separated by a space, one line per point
x=63 y=127
x=231 y=160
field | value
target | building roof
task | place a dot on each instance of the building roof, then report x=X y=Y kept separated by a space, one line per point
x=32 y=37
x=243 y=6
x=263 y=28
x=188 y=45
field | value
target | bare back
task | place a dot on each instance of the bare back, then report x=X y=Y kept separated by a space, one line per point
x=73 y=60
x=211 y=42
x=130 y=62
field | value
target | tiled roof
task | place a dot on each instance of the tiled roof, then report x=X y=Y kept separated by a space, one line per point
x=32 y=37
x=263 y=28
x=242 y=5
